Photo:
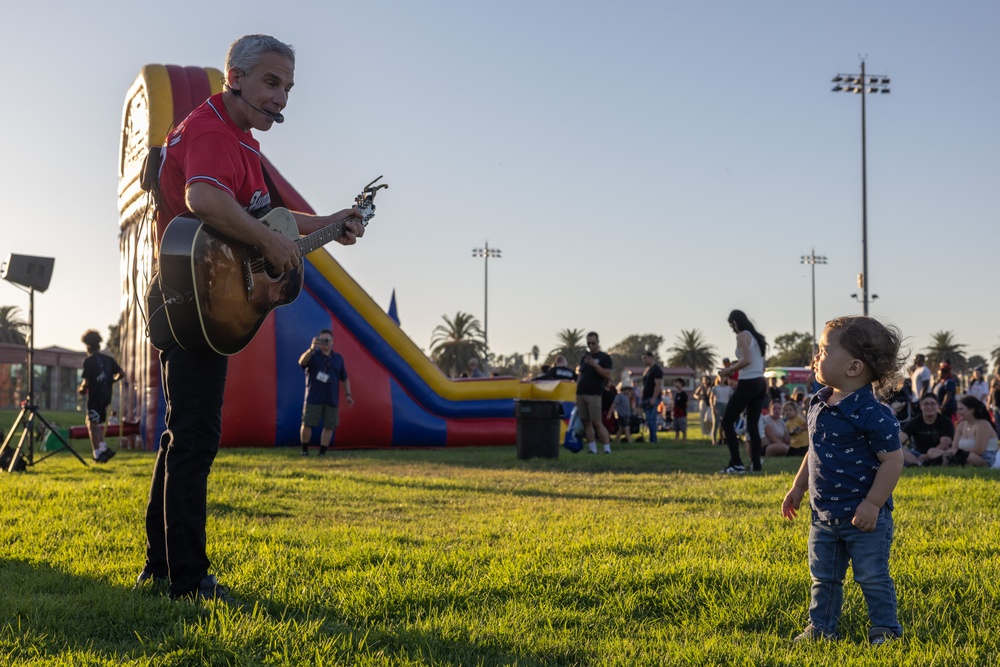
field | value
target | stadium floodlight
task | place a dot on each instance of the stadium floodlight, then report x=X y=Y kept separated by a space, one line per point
x=864 y=84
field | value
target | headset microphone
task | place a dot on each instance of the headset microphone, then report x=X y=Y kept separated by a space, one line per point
x=276 y=117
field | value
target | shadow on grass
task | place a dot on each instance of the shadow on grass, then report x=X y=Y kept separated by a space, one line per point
x=676 y=496
x=51 y=616
x=694 y=457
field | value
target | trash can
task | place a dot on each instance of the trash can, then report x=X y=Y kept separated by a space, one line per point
x=537 y=428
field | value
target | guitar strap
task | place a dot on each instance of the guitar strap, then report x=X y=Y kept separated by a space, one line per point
x=149 y=175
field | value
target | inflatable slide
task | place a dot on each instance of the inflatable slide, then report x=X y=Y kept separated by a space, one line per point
x=401 y=398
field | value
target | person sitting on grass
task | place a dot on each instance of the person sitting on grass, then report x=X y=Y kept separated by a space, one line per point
x=975 y=440
x=773 y=432
x=794 y=424
x=853 y=464
x=100 y=372
x=931 y=430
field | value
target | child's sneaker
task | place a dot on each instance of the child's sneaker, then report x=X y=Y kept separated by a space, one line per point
x=209 y=589
x=733 y=470
x=878 y=636
x=812 y=633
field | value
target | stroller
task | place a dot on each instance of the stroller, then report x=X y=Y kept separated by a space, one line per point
x=902 y=405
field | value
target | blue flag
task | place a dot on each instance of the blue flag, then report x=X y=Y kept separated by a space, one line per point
x=392 y=307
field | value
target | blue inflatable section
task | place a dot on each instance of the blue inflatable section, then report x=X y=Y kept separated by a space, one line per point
x=412 y=423
x=397 y=367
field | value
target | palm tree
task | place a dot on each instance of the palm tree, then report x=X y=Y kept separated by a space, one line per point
x=995 y=356
x=692 y=350
x=943 y=347
x=570 y=346
x=456 y=341
x=12 y=328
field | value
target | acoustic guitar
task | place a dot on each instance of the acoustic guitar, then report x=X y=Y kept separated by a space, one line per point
x=218 y=291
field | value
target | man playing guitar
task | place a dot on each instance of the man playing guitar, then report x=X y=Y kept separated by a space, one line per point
x=212 y=168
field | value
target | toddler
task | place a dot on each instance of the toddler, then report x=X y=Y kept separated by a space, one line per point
x=852 y=466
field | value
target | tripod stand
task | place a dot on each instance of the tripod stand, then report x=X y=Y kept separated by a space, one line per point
x=26 y=418
x=29 y=411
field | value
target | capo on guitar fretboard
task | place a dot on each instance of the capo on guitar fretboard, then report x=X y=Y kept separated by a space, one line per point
x=365 y=202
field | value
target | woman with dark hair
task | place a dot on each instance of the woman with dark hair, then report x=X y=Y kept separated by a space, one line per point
x=975 y=439
x=993 y=404
x=750 y=393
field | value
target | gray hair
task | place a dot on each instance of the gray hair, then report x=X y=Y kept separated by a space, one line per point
x=247 y=50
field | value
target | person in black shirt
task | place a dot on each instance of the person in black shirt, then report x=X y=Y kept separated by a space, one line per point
x=100 y=372
x=595 y=371
x=652 y=386
x=680 y=411
x=930 y=429
x=559 y=371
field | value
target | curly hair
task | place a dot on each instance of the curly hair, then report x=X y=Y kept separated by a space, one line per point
x=92 y=340
x=876 y=345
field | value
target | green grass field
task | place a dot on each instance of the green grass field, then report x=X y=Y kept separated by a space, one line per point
x=472 y=557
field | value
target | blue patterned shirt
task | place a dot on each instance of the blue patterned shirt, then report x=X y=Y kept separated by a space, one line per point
x=845 y=440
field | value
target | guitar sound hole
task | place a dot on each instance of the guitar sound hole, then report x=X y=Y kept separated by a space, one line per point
x=271 y=272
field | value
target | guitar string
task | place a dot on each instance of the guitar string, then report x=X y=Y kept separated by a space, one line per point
x=261 y=264
x=334 y=231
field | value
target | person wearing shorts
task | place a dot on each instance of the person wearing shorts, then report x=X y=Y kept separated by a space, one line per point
x=595 y=371
x=100 y=372
x=325 y=371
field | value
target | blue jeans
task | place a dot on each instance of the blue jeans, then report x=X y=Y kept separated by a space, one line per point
x=651 y=420
x=831 y=545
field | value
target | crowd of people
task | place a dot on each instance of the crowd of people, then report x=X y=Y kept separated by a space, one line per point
x=766 y=418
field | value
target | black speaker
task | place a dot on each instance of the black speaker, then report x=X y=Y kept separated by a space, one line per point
x=28 y=271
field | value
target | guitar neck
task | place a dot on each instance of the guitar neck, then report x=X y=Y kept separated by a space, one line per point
x=321 y=237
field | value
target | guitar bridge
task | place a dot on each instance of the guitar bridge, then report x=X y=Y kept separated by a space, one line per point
x=248 y=284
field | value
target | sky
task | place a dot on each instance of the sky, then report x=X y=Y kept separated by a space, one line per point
x=644 y=167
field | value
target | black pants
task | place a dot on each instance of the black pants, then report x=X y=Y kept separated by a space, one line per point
x=750 y=396
x=194 y=384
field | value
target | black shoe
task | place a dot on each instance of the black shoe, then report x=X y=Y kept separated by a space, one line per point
x=106 y=456
x=322 y=451
x=305 y=452
x=147 y=580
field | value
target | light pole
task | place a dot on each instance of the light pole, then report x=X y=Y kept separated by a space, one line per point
x=486 y=252
x=864 y=84
x=813 y=259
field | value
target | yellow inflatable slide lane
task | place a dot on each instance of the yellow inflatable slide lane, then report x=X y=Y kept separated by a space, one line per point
x=401 y=398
